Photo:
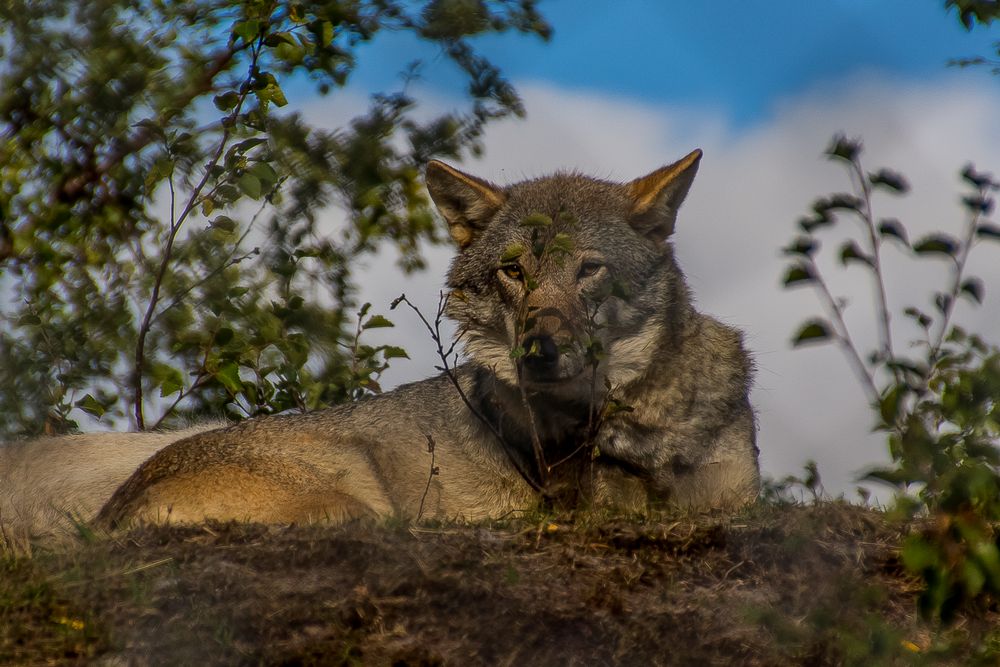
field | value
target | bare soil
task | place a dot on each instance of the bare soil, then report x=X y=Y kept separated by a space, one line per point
x=777 y=585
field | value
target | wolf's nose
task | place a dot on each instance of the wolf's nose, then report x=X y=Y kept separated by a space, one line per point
x=542 y=353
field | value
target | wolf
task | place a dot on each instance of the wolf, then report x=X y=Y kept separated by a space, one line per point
x=590 y=378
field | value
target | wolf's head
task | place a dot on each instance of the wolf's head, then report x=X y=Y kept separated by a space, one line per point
x=565 y=281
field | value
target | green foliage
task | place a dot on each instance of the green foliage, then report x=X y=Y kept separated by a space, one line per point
x=939 y=403
x=161 y=254
x=970 y=14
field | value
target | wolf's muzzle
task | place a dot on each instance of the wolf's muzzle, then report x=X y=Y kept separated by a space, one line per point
x=542 y=358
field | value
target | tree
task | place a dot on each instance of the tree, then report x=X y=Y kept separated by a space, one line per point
x=160 y=257
x=972 y=13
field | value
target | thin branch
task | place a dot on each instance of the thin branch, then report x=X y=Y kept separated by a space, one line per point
x=844 y=335
x=433 y=471
x=958 y=271
x=230 y=261
x=181 y=395
x=140 y=350
x=448 y=370
x=883 y=314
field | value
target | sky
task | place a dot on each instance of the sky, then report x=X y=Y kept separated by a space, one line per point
x=624 y=87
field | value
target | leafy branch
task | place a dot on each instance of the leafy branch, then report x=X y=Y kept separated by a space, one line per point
x=939 y=408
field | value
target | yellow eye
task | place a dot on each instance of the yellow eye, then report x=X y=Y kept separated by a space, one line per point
x=512 y=271
x=588 y=269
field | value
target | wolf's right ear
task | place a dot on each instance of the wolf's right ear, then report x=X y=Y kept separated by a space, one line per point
x=467 y=203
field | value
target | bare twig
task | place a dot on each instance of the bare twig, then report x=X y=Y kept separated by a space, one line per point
x=448 y=370
x=434 y=471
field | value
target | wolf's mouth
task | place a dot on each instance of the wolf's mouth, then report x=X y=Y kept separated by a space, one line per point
x=551 y=381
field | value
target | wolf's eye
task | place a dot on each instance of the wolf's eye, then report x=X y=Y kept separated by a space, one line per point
x=512 y=271
x=588 y=269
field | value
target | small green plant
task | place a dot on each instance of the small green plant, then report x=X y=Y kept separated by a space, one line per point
x=939 y=401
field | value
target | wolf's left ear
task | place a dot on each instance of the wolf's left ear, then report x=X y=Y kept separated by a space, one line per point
x=467 y=203
x=657 y=196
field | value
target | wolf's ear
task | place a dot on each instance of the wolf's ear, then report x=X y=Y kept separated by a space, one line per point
x=466 y=202
x=657 y=196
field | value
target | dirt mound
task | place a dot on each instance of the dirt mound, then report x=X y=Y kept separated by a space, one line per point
x=777 y=585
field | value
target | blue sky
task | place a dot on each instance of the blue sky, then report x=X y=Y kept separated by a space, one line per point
x=733 y=56
x=627 y=86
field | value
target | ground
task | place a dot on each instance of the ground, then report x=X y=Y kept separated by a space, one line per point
x=777 y=585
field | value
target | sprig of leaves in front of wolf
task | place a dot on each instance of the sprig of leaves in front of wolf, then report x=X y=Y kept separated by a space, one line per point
x=938 y=405
x=547 y=245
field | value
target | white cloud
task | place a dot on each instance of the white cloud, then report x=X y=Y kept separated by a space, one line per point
x=753 y=185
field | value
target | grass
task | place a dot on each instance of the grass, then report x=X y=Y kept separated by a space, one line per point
x=777 y=585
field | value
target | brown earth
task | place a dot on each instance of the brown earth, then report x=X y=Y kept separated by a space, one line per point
x=781 y=584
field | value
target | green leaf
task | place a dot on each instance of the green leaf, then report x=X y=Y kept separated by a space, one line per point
x=890 y=476
x=943 y=302
x=267 y=90
x=264 y=172
x=837 y=202
x=918 y=555
x=803 y=246
x=229 y=377
x=798 y=274
x=223 y=222
x=91 y=406
x=936 y=244
x=894 y=228
x=890 y=180
x=978 y=179
x=536 y=220
x=988 y=231
x=850 y=252
x=247 y=30
x=974 y=289
x=276 y=38
x=918 y=316
x=978 y=204
x=512 y=252
x=891 y=402
x=561 y=243
x=808 y=225
x=843 y=148
x=250 y=185
x=393 y=352
x=224 y=335
x=814 y=331
x=247 y=144
x=226 y=101
x=171 y=382
x=377 y=322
